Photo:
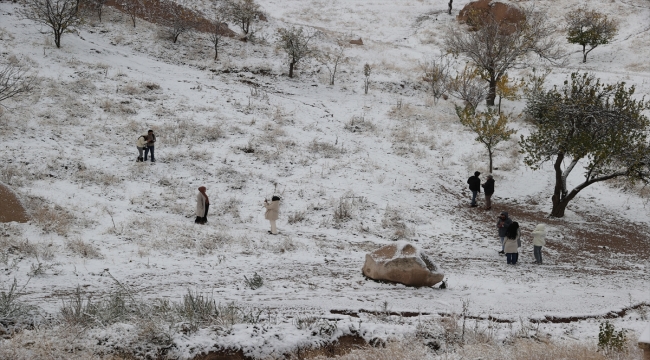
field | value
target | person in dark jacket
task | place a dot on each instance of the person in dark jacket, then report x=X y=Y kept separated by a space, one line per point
x=474 y=186
x=502 y=225
x=488 y=189
x=151 y=141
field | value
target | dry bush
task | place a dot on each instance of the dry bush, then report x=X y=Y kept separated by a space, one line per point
x=213 y=242
x=131 y=89
x=51 y=218
x=83 y=249
x=229 y=207
x=392 y=351
x=360 y=124
x=82 y=86
x=343 y=210
x=296 y=217
x=150 y=85
x=394 y=220
x=325 y=149
x=96 y=177
x=531 y=349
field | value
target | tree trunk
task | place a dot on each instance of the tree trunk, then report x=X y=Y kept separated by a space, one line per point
x=490 y=155
x=499 y=111
x=216 y=52
x=558 y=207
x=57 y=39
x=584 y=54
x=291 y=69
x=492 y=92
x=450 y=2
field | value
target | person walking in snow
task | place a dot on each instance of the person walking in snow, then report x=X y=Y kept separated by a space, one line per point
x=202 y=206
x=272 y=213
x=474 y=186
x=151 y=140
x=512 y=243
x=539 y=240
x=488 y=190
x=141 y=143
x=503 y=223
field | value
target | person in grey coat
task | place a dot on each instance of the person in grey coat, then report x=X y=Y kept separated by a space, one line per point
x=503 y=223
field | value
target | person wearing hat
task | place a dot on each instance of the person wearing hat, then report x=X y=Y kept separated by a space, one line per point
x=488 y=190
x=474 y=186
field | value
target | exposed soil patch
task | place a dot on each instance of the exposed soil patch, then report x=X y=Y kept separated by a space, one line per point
x=343 y=345
x=10 y=207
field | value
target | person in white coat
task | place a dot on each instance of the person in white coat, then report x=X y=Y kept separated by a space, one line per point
x=539 y=240
x=272 y=213
x=202 y=206
x=141 y=143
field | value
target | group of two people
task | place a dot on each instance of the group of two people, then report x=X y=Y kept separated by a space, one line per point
x=145 y=143
x=510 y=236
x=475 y=187
x=203 y=205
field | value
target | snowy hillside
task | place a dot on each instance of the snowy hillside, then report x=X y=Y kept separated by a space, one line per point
x=354 y=171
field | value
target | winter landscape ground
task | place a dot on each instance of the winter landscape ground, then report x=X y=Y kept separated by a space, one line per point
x=355 y=172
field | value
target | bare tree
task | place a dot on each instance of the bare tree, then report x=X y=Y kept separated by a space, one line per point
x=133 y=9
x=331 y=58
x=436 y=75
x=468 y=87
x=495 y=46
x=175 y=18
x=589 y=28
x=15 y=79
x=242 y=12
x=59 y=15
x=218 y=28
x=98 y=7
x=296 y=43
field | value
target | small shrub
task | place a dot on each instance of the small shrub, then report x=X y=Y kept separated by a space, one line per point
x=306 y=322
x=14 y=312
x=83 y=249
x=610 y=340
x=255 y=282
x=296 y=217
x=325 y=149
x=359 y=124
x=343 y=211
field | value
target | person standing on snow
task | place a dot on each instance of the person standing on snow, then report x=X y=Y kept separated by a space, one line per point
x=488 y=189
x=202 y=206
x=272 y=213
x=151 y=140
x=141 y=143
x=503 y=223
x=539 y=240
x=474 y=186
x=512 y=243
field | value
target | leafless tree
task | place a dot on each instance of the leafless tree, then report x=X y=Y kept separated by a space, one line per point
x=175 y=18
x=468 y=87
x=15 y=79
x=133 y=9
x=296 y=43
x=218 y=29
x=59 y=15
x=589 y=28
x=435 y=72
x=242 y=12
x=332 y=57
x=97 y=6
x=494 y=47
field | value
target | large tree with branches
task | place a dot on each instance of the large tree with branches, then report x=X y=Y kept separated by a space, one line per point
x=59 y=15
x=600 y=127
x=494 y=46
x=297 y=44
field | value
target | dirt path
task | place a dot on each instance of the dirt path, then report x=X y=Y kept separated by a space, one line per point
x=10 y=207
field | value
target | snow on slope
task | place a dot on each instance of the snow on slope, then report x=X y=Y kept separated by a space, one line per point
x=71 y=144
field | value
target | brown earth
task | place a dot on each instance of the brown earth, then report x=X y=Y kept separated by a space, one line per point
x=477 y=12
x=343 y=345
x=155 y=14
x=10 y=207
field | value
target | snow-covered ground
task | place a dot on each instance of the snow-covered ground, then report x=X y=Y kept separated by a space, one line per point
x=243 y=129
